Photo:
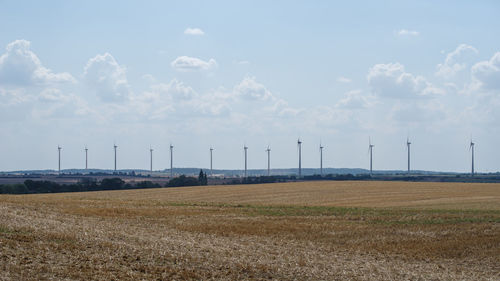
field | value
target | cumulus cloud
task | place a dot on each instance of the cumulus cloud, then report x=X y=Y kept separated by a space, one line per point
x=107 y=78
x=193 y=31
x=392 y=81
x=354 y=100
x=57 y=104
x=175 y=99
x=250 y=89
x=175 y=90
x=15 y=104
x=162 y=99
x=21 y=67
x=417 y=112
x=456 y=61
x=486 y=74
x=185 y=63
x=51 y=95
x=406 y=32
x=342 y=79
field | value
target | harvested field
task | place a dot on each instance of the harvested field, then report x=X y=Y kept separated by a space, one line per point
x=289 y=231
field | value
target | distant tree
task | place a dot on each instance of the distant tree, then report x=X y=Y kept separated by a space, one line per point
x=87 y=184
x=42 y=186
x=183 y=181
x=146 y=184
x=202 y=178
x=112 y=183
x=17 y=188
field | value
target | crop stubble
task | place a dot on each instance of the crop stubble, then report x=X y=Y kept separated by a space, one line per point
x=302 y=231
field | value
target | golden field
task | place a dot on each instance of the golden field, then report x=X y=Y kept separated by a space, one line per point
x=287 y=231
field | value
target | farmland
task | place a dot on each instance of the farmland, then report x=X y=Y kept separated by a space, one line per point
x=303 y=230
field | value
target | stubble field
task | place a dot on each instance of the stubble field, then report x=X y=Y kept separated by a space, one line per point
x=288 y=231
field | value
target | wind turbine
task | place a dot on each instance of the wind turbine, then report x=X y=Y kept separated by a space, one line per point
x=408 y=143
x=171 y=161
x=471 y=148
x=86 y=158
x=268 y=150
x=59 y=154
x=321 y=158
x=151 y=158
x=299 y=146
x=245 y=148
x=115 y=146
x=370 y=149
x=211 y=152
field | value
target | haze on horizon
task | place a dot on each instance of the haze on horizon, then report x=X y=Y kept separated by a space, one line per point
x=223 y=74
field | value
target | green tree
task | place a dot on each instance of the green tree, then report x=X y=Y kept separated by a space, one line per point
x=183 y=181
x=202 y=178
x=112 y=183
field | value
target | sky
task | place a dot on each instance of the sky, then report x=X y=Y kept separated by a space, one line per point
x=224 y=74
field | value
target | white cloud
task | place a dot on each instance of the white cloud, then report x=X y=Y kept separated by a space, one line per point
x=14 y=96
x=21 y=67
x=176 y=90
x=406 y=32
x=456 y=61
x=15 y=104
x=407 y=99
x=185 y=63
x=426 y=112
x=250 y=89
x=176 y=100
x=59 y=105
x=107 y=78
x=214 y=104
x=342 y=79
x=193 y=31
x=51 y=95
x=392 y=81
x=486 y=74
x=354 y=100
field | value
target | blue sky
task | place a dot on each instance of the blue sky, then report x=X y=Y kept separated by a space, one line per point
x=225 y=73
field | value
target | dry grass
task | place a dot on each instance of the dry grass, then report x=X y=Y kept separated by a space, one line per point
x=293 y=231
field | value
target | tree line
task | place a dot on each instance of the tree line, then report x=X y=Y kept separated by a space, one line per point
x=91 y=184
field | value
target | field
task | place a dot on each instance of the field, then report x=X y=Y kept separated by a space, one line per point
x=289 y=231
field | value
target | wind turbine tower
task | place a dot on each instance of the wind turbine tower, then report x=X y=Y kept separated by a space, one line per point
x=268 y=150
x=151 y=159
x=245 y=148
x=59 y=154
x=115 y=147
x=211 y=167
x=321 y=158
x=86 y=158
x=471 y=147
x=408 y=143
x=171 y=161
x=370 y=148
x=299 y=145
